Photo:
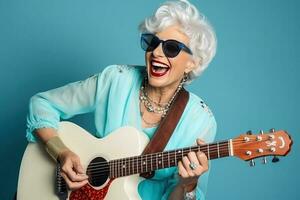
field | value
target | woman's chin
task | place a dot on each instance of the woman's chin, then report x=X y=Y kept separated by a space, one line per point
x=157 y=82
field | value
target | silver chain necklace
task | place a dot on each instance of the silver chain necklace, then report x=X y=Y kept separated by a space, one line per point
x=159 y=108
x=149 y=124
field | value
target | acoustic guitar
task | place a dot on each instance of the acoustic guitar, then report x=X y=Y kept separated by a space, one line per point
x=114 y=163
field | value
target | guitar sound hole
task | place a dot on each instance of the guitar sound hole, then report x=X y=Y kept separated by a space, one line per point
x=98 y=171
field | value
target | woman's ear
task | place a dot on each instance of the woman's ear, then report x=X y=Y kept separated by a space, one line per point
x=191 y=65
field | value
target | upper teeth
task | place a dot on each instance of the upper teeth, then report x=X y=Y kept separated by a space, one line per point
x=158 y=64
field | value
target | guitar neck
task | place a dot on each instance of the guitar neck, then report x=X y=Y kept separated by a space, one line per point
x=166 y=159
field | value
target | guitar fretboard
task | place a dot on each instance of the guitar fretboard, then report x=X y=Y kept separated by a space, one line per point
x=166 y=159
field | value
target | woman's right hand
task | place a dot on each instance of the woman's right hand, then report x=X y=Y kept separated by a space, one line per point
x=72 y=170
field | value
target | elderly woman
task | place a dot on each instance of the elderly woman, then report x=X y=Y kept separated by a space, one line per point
x=179 y=44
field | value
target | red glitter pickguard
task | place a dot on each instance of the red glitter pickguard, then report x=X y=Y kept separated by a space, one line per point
x=87 y=192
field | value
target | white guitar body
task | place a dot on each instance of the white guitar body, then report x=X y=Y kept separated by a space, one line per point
x=37 y=171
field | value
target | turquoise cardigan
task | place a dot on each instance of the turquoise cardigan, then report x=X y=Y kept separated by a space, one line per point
x=113 y=96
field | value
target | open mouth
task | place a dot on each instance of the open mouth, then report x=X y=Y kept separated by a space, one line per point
x=158 y=68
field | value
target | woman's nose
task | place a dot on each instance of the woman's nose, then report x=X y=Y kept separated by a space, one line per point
x=158 y=51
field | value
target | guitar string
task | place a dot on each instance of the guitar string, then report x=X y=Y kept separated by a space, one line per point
x=136 y=167
x=139 y=159
x=213 y=148
x=118 y=171
x=104 y=169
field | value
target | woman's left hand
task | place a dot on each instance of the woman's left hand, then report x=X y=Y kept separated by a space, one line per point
x=192 y=166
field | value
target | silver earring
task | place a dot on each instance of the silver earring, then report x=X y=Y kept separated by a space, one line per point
x=185 y=77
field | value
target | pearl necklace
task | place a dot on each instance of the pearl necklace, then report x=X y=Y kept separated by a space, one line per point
x=149 y=124
x=159 y=108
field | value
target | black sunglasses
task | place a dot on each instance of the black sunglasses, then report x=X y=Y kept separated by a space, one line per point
x=171 y=48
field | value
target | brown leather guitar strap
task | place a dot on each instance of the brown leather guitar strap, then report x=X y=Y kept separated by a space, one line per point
x=166 y=127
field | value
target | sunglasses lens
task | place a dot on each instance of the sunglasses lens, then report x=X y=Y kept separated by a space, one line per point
x=149 y=42
x=171 y=49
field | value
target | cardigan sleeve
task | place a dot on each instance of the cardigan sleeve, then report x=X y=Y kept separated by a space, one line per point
x=47 y=108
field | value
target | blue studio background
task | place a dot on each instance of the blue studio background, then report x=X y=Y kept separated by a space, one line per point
x=251 y=84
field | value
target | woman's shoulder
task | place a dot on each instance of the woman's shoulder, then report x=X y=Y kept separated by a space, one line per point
x=199 y=106
x=200 y=119
x=124 y=69
x=116 y=78
x=197 y=121
x=120 y=75
x=201 y=115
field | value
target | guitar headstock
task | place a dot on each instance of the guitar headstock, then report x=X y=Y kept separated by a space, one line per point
x=248 y=146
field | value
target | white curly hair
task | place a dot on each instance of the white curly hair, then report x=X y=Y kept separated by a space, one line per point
x=203 y=41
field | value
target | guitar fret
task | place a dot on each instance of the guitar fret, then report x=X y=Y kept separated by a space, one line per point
x=118 y=167
x=133 y=165
x=181 y=153
x=146 y=163
x=112 y=169
x=142 y=164
x=139 y=169
x=151 y=163
x=123 y=172
x=208 y=154
x=115 y=171
x=156 y=162
x=129 y=160
x=125 y=167
x=137 y=165
x=168 y=159
x=122 y=167
x=218 y=150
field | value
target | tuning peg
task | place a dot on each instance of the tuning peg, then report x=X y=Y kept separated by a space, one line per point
x=275 y=159
x=252 y=163
x=249 y=132
x=261 y=132
x=272 y=130
x=264 y=160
